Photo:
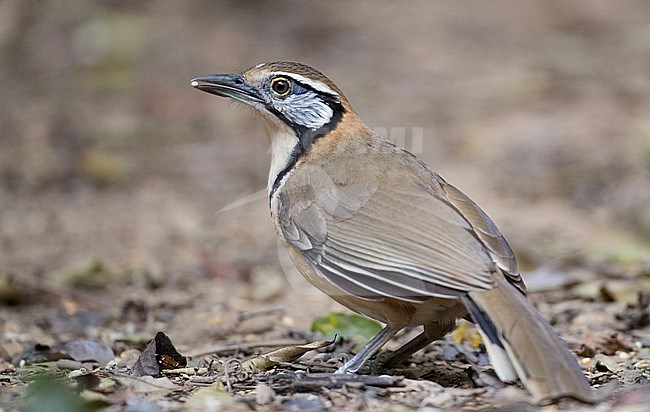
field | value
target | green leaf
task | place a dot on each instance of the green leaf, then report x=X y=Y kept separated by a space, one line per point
x=357 y=328
x=46 y=393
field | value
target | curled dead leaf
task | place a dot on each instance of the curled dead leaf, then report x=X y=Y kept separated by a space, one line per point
x=159 y=355
x=286 y=354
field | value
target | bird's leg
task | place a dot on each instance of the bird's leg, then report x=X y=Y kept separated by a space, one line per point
x=405 y=351
x=370 y=349
x=432 y=331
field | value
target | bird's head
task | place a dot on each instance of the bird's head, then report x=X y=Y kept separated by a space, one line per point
x=298 y=103
x=286 y=94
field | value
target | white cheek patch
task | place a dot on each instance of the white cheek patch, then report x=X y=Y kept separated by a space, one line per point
x=307 y=110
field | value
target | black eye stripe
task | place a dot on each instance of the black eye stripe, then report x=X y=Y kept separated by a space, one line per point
x=324 y=95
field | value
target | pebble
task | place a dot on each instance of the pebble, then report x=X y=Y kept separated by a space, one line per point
x=68 y=364
x=623 y=355
x=644 y=343
x=642 y=364
x=78 y=372
x=264 y=394
x=300 y=403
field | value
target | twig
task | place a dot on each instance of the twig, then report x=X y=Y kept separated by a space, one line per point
x=246 y=346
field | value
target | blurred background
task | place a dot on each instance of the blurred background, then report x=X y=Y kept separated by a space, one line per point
x=114 y=172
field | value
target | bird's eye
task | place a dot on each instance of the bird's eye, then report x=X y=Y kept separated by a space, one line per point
x=281 y=86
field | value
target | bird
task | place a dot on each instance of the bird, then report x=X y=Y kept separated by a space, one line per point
x=372 y=226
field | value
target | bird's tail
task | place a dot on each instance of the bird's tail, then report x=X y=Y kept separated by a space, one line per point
x=520 y=342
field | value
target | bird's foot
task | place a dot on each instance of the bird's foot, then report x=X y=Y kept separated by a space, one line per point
x=378 y=366
x=350 y=366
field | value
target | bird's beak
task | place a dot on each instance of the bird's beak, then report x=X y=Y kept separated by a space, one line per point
x=228 y=85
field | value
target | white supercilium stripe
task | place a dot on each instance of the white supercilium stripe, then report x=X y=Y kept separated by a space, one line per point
x=316 y=85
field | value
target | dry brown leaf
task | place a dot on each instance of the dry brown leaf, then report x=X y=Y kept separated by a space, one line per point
x=87 y=350
x=286 y=354
x=160 y=354
x=607 y=343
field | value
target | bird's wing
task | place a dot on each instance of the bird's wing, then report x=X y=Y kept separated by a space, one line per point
x=406 y=235
x=487 y=232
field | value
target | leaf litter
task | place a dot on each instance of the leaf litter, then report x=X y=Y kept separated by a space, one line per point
x=258 y=359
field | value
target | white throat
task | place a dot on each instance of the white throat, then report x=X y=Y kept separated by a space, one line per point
x=283 y=142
